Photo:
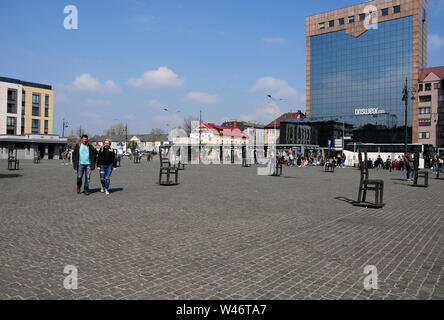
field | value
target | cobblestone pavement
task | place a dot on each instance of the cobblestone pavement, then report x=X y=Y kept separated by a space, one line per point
x=223 y=233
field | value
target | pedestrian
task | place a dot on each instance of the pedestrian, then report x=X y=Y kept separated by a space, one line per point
x=84 y=160
x=106 y=163
x=409 y=163
x=435 y=164
x=255 y=157
x=343 y=160
x=64 y=156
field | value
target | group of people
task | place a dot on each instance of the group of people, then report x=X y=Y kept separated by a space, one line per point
x=86 y=158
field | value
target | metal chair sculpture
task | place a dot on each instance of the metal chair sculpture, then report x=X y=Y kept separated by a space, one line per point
x=330 y=167
x=136 y=158
x=421 y=174
x=366 y=184
x=37 y=157
x=13 y=162
x=276 y=169
x=245 y=161
x=180 y=164
x=167 y=170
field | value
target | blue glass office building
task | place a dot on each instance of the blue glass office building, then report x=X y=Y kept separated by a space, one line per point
x=358 y=59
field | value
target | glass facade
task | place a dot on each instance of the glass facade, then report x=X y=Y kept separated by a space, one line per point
x=361 y=79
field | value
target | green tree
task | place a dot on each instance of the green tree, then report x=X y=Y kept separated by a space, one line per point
x=132 y=145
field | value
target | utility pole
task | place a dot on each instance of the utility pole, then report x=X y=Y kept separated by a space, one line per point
x=126 y=137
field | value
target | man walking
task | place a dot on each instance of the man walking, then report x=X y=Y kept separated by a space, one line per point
x=106 y=163
x=84 y=160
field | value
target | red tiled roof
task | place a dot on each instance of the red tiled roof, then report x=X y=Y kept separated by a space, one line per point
x=288 y=115
x=235 y=132
x=439 y=71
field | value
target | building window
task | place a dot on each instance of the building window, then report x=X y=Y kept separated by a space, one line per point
x=396 y=9
x=427 y=110
x=424 y=135
x=420 y=87
x=341 y=21
x=441 y=110
x=23 y=126
x=438 y=85
x=11 y=108
x=11 y=124
x=425 y=99
x=351 y=19
x=428 y=86
x=385 y=12
x=331 y=23
x=36 y=104
x=23 y=102
x=440 y=98
x=46 y=126
x=12 y=95
x=322 y=25
x=46 y=106
x=425 y=122
x=362 y=17
x=35 y=126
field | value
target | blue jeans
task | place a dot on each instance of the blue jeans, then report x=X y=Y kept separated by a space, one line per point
x=410 y=173
x=105 y=175
x=435 y=167
x=84 y=169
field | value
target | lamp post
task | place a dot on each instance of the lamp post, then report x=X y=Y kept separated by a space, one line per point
x=405 y=97
x=64 y=125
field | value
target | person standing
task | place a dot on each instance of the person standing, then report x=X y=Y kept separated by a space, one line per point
x=409 y=163
x=435 y=164
x=84 y=160
x=106 y=163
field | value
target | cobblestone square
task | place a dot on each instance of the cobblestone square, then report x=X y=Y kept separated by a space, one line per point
x=223 y=233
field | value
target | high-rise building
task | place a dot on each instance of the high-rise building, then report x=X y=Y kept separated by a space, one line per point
x=358 y=59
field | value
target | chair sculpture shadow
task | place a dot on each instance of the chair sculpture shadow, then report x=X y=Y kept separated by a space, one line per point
x=167 y=170
x=366 y=184
x=276 y=169
x=330 y=167
x=13 y=162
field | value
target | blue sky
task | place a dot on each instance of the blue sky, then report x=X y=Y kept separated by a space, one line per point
x=129 y=59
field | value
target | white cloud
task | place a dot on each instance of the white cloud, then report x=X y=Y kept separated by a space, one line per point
x=280 y=89
x=87 y=83
x=97 y=102
x=162 y=77
x=435 y=42
x=265 y=114
x=154 y=104
x=276 y=40
x=203 y=98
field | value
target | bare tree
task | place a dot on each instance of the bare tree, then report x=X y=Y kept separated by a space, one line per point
x=187 y=124
x=118 y=129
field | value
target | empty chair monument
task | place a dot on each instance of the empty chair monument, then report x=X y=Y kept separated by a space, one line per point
x=13 y=162
x=167 y=170
x=366 y=184
x=420 y=174
x=37 y=157
x=330 y=167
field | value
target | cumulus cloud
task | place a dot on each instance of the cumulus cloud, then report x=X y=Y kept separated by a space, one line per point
x=276 y=40
x=87 y=83
x=97 y=102
x=153 y=79
x=280 y=89
x=435 y=42
x=264 y=114
x=202 y=98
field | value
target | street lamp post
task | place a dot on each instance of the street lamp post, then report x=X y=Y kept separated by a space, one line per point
x=405 y=98
x=64 y=125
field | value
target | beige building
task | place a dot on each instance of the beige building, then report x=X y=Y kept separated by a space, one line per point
x=431 y=107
